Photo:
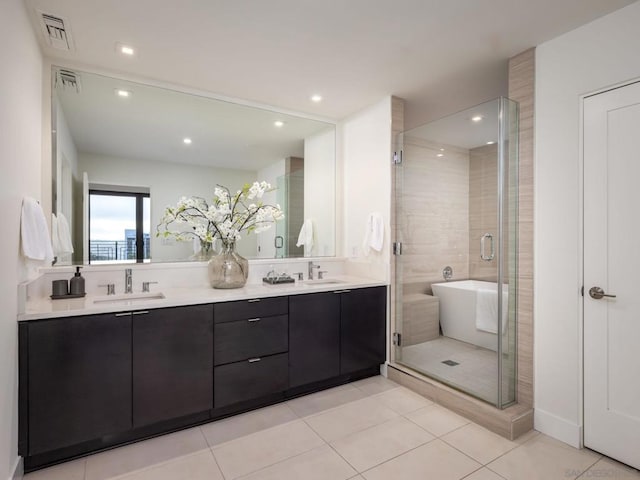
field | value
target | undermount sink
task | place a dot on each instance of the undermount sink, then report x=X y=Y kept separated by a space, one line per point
x=323 y=281
x=128 y=298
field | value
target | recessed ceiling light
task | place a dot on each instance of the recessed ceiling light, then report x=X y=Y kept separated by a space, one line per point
x=442 y=149
x=187 y=140
x=477 y=118
x=316 y=98
x=123 y=93
x=278 y=123
x=491 y=142
x=125 y=49
x=440 y=155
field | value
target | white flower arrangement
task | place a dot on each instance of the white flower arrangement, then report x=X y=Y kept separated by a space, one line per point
x=224 y=218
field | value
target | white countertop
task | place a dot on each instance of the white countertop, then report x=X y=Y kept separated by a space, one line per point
x=173 y=297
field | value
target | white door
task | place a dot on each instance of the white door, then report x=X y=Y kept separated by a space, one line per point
x=612 y=267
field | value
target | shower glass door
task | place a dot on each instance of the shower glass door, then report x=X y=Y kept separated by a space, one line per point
x=456 y=211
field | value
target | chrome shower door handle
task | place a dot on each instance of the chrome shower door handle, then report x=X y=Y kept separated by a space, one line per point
x=597 y=293
x=483 y=255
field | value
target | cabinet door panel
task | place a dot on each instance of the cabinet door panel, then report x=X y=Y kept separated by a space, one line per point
x=172 y=363
x=79 y=371
x=248 y=380
x=243 y=339
x=314 y=337
x=363 y=328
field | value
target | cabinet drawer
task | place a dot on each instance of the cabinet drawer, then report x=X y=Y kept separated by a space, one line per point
x=254 y=378
x=255 y=307
x=255 y=337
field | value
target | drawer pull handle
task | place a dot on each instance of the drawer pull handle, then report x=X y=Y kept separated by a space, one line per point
x=253 y=300
x=123 y=314
x=141 y=312
x=342 y=291
x=252 y=320
x=253 y=360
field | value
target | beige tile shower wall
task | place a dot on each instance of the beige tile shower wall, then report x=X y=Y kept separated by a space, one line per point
x=434 y=218
x=483 y=201
x=521 y=89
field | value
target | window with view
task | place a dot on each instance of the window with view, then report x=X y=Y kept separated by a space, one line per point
x=119 y=226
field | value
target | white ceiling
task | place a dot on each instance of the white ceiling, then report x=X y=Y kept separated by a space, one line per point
x=439 y=55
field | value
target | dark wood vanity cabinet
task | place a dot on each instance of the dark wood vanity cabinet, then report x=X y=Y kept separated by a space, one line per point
x=314 y=337
x=75 y=380
x=93 y=382
x=172 y=363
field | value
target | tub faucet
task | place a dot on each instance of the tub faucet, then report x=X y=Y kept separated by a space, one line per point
x=128 y=281
x=311 y=267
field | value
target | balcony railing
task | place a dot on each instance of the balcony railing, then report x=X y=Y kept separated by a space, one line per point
x=112 y=250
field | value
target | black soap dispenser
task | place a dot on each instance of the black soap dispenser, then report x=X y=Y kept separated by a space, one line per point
x=76 y=284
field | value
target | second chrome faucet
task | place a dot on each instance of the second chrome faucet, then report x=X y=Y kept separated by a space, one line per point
x=312 y=266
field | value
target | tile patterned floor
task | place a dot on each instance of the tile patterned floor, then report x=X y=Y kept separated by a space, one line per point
x=368 y=430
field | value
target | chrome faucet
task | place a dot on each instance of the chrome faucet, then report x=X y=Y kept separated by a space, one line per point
x=311 y=267
x=128 y=281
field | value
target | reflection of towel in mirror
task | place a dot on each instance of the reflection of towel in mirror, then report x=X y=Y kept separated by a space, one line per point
x=61 y=235
x=36 y=243
x=55 y=238
x=487 y=310
x=305 y=237
x=374 y=233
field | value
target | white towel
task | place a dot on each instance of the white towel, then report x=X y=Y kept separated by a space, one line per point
x=63 y=234
x=305 y=237
x=374 y=233
x=55 y=236
x=36 y=242
x=487 y=310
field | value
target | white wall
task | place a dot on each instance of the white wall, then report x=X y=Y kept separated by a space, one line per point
x=168 y=182
x=319 y=190
x=366 y=184
x=600 y=54
x=20 y=157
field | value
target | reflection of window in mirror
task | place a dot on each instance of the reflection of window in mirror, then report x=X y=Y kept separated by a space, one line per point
x=119 y=226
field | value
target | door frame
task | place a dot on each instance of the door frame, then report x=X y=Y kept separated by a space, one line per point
x=580 y=250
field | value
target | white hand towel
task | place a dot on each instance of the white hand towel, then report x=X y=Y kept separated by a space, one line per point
x=36 y=242
x=374 y=233
x=487 y=310
x=305 y=237
x=64 y=236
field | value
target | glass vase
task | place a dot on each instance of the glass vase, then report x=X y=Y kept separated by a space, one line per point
x=205 y=253
x=228 y=269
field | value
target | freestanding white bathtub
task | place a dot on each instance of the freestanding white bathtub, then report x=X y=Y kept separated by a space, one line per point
x=458 y=301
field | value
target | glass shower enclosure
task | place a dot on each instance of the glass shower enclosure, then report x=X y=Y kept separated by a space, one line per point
x=456 y=225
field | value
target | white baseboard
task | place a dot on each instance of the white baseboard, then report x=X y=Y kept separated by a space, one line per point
x=17 y=470
x=558 y=428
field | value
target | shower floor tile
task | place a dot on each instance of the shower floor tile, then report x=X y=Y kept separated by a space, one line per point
x=476 y=369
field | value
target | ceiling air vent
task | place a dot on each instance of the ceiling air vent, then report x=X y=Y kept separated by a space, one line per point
x=57 y=35
x=68 y=80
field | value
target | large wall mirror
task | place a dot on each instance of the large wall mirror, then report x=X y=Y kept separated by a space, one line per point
x=124 y=151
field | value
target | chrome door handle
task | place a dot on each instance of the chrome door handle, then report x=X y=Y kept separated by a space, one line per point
x=598 y=293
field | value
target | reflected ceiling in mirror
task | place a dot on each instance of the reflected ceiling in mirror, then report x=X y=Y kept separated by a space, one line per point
x=114 y=134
